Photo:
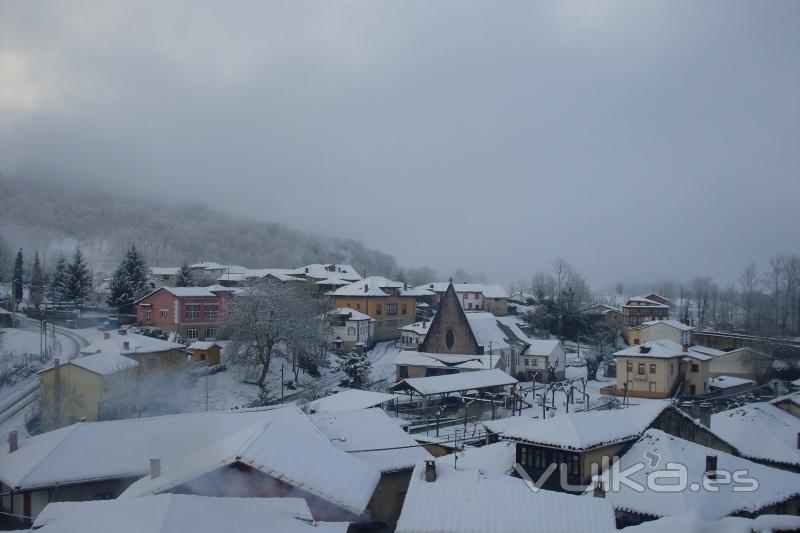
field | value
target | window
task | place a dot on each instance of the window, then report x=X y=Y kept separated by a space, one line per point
x=148 y=314
x=391 y=309
x=527 y=362
x=539 y=458
x=211 y=333
x=377 y=309
x=404 y=310
x=351 y=331
x=641 y=369
x=203 y=356
x=191 y=333
x=523 y=455
x=164 y=313
x=672 y=369
x=449 y=338
x=104 y=496
x=534 y=362
x=192 y=311
x=629 y=366
x=210 y=311
x=652 y=369
x=469 y=306
x=695 y=368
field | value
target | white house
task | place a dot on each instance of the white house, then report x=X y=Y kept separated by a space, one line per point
x=347 y=329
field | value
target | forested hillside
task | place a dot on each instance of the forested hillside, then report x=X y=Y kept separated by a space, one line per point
x=52 y=218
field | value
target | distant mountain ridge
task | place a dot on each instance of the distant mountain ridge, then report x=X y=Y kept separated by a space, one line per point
x=53 y=217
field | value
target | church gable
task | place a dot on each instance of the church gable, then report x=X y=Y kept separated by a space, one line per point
x=450 y=332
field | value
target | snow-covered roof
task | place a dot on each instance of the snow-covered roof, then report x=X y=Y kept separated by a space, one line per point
x=726 y=382
x=220 y=288
x=137 y=344
x=202 y=345
x=332 y=281
x=586 y=429
x=104 y=363
x=164 y=271
x=488 y=290
x=371 y=436
x=208 y=265
x=459 y=287
x=494 y=291
x=470 y=501
x=671 y=323
x=120 y=448
x=499 y=332
x=632 y=302
x=498 y=458
x=286 y=446
x=182 y=513
x=664 y=348
x=730 y=524
x=327 y=271
x=415 y=292
x=352 y=314
x=705 y=350
x=463 y=381
x=658 y=449
x=371 y=286
x=420 y=328
x=548 y=347
x=438 y=360
x=760 y=431
x=350 y=399
x=190 y=292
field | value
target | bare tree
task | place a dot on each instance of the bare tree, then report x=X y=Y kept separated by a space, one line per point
x=265 y=318
x=748 y=282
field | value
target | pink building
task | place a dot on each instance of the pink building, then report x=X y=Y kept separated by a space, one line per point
x=191 y=311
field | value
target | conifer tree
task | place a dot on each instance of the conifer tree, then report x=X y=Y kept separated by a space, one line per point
x=129 y=281
x=37 y=282
x=184 y=278
x=16 y=277
x=78 y=278
x=58 y=287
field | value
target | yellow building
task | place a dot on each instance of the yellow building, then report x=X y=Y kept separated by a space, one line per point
x=92 y=388
x=205 y=352
x=654 y=370
x=392 y=304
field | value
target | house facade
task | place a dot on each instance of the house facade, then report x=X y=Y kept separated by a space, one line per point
x=191 y=312
x=347 y=329
x=391 y=303
x=639 y=309
x=657 y=330
x=471 y=296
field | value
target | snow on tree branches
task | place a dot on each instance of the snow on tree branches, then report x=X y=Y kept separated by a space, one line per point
x=129 y=281
x=269 y=318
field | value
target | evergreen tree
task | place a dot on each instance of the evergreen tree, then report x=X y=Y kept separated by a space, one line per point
x=358 y=367
x=78 y=279
x=184 y=278
x=16 y=277
x=129 y=281
x=37 y=282
x=58 y=287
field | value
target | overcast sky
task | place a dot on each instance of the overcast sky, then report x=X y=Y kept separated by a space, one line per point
x=637 y=140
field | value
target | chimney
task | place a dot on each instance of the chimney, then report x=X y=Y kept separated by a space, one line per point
x=366 y=287
x=685 y=347
x=155 y=468
x=430 y=470
x=106 y=335
x=13 y=441
x=711 y=466
x=405 y=285
x=126 y=345
x=122 y=331
x=56 y=371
